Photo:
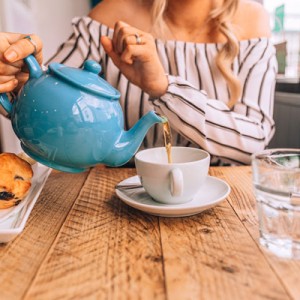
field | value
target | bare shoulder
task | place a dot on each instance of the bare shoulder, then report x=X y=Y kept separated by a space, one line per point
x=252 y=20
x=108 y=12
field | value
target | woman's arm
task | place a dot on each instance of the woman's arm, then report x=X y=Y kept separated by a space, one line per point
x=232 y=135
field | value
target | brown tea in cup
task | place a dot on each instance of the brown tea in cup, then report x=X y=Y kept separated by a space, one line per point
x=168 y=139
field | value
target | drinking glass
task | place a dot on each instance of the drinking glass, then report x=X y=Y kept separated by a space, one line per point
x=276 y=179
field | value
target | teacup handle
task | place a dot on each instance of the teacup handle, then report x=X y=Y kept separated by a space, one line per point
x=176 y=182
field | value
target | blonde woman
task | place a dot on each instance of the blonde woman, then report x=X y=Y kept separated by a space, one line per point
x=208 y=65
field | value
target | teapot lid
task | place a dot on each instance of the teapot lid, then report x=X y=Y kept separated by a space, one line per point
x=86 y=79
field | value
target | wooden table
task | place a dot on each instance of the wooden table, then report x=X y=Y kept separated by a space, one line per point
x=82 y=242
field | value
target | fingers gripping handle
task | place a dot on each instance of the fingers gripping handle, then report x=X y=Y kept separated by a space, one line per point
x=176 y=182
x=35 y=71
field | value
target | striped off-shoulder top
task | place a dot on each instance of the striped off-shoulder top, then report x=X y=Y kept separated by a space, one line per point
x=195 y=102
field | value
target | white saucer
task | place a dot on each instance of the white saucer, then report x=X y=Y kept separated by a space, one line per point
x=213 y=192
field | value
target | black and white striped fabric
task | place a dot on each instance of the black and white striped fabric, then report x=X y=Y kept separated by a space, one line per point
x=195 y=102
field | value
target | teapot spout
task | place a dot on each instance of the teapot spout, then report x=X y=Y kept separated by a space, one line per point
x=130 y=141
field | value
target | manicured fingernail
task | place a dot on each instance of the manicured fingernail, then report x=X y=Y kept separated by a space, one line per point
x=11 y=55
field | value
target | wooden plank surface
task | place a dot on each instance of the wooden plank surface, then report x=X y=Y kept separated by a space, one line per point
x=243 y=202
x=218 y=258
x=105 y=249
x=89 y=245
x=20 y=259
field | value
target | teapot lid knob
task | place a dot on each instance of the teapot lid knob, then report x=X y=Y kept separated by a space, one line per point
x=92 y=66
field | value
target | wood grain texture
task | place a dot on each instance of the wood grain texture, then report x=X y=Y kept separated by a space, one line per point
x=212 y=256
x=82 y=242
x=21 y=259
x=242 y=201
x=105 y=249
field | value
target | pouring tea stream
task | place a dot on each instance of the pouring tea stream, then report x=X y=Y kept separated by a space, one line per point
x=70 y=119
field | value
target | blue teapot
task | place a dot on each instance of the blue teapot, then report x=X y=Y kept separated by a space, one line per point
x=70 y=119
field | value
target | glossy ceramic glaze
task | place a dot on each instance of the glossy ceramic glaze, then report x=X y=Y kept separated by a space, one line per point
x=175 y=183
x=71 y=119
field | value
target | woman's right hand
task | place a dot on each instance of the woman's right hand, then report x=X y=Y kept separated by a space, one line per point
x=134 y=52
x=14 y=47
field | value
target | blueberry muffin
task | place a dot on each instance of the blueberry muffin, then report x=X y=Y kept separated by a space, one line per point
x=15 y=179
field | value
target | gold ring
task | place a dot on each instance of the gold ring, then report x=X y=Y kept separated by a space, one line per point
x=138 y=39
x=28 y=37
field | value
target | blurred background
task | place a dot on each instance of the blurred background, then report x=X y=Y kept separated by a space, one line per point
x=51 y=20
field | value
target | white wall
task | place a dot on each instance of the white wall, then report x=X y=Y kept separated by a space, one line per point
x=51 y=20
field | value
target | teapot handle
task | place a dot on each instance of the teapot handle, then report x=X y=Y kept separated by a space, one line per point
x=35 y=71
x=5 y=103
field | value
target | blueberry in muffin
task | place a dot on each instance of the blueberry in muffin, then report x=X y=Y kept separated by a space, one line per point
x=15 y=179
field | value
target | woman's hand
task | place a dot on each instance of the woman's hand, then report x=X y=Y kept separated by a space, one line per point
x=13 y=48
x=134 y=53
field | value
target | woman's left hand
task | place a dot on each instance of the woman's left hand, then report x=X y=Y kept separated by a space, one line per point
x=134 y=52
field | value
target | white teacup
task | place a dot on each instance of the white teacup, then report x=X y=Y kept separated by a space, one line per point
x=173 y=183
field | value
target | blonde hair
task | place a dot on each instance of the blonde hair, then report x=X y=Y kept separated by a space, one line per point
x=220 y=22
